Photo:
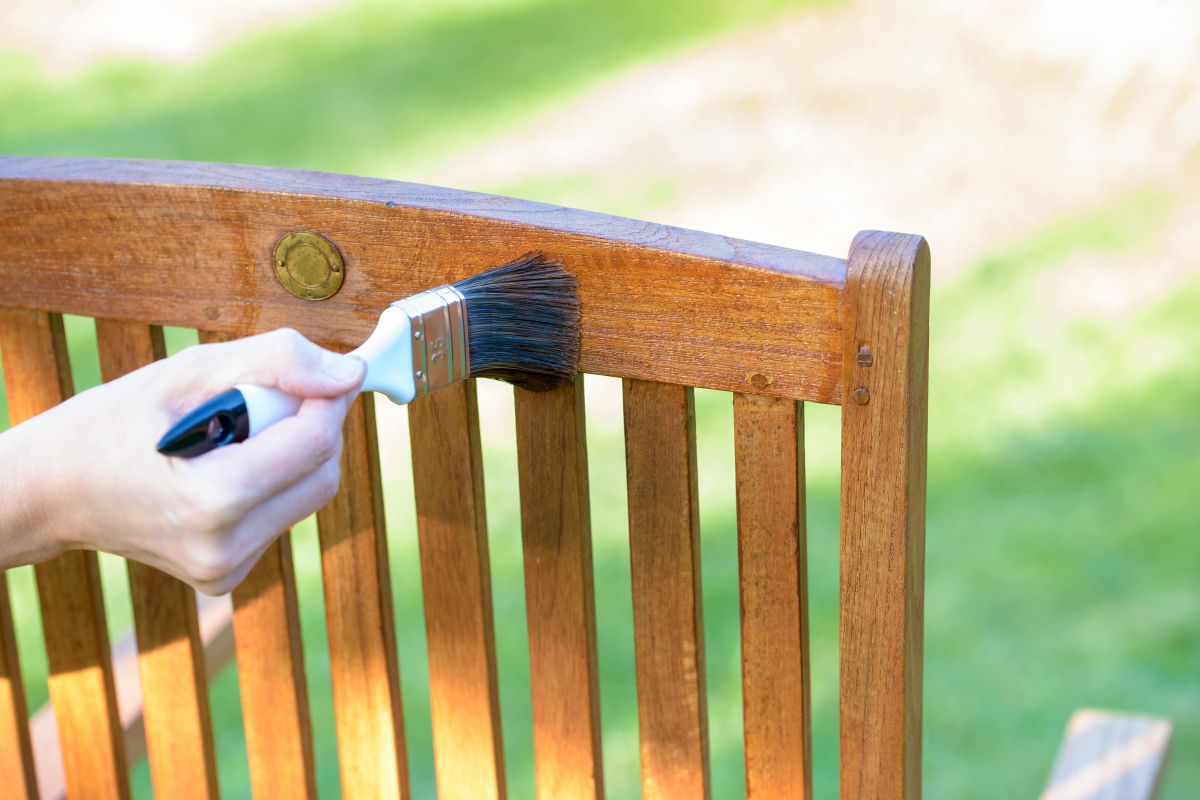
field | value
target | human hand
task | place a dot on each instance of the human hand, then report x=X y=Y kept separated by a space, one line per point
x=86 y=475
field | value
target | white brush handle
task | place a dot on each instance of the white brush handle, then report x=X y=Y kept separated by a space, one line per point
x=266 y=406
x=388 y=353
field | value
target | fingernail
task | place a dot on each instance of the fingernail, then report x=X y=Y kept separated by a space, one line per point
x=341 y=368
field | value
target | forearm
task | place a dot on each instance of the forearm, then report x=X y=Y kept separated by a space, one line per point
x=26 y=519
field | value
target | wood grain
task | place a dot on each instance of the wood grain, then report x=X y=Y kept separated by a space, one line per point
x=664 y=549
x=456 y=578
x=16 y=754
x=216 y=633
x=190 y=244
x=883 y=515
x=270 y=658
x=37 y=377
x=773 y=580
x=358 y=612
x=178 y=726
x=559 y=597
x=1110 y=756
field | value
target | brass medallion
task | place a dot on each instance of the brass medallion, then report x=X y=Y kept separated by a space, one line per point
x=308 y=265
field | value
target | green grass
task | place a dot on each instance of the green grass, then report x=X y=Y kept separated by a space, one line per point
x=374 y=87
x=1064 y=451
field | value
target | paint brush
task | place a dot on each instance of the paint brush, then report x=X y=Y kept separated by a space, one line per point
x=518 y=323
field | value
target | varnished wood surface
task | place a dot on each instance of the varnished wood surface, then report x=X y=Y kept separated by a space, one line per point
x=270 y=658
x=358 y=614
x=668 y=629
x=456 y=578
x=37 y=377
x=190 y=244
x=773 y=581
x=559 y=596
x=883 y=516
x=16 y=754
x=1106 y=755
x=216 y=633
x=178 y=726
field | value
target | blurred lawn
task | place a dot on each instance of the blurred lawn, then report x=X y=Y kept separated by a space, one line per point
x=1064 y=451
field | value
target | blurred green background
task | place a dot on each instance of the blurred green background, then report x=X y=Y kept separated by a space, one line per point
x=1063 y=564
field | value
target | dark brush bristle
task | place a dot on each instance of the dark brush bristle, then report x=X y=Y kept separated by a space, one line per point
x=523 y=322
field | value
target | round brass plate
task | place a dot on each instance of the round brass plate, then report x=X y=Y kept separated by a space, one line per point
x=308 y=265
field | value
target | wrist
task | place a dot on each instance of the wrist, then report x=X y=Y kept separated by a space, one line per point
x=29 y=531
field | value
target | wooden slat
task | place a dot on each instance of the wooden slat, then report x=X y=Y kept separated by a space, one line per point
x=216 y=633
x=559 y=598
x=664 y=547
x=16 y=755
x=883 y=515
x=773 y=580
x=463 y=697
x=191 y=244
x=178 y=727
x=37 y=377
x=266 y=628
x=270 y=657
x=358 y=611
x=1110 y=756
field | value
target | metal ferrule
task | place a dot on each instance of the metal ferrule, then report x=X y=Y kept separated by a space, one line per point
x=439 y=337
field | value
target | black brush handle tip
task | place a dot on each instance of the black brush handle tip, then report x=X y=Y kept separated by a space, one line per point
x=217 y=422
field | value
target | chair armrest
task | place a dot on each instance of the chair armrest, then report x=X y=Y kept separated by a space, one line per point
x=1110 y=756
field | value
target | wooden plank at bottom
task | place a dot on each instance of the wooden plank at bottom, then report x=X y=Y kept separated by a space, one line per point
x=773 y=585
x=16 y=754
x=664 y=550
x=456 y=579
x=216 y=631
x=38 y=377
x=358 y=612
x=178 y=726
x=270 y=658
x=559 y=596
x=1110 y=756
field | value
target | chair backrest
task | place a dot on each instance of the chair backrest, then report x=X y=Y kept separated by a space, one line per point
x=139 y=245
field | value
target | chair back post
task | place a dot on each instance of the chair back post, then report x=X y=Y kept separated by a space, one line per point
x=884 y=409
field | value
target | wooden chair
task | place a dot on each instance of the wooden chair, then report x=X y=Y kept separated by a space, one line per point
x=139 y=245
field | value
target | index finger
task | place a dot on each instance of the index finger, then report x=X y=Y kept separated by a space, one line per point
x=283 y=454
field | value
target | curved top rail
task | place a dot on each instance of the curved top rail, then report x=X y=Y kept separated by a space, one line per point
x=190 y=244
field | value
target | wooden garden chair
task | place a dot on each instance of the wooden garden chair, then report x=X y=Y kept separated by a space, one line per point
x=139 y=245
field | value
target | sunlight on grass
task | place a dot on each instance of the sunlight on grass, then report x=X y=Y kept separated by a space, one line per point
x=369 y=88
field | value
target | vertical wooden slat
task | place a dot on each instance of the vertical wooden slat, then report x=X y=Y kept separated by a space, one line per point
x=16 y=754
x=559 y=597
x=773 y=582
x=270 y=656
x=664 y=547
x=178 y=726
x=883 y=515
x=464 y=701
x=37 y=377
x=358 y=611
x=266 y=629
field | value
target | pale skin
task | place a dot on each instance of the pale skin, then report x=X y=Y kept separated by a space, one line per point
x=86 y=475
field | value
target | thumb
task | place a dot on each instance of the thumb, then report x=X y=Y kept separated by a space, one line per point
x=282 y=359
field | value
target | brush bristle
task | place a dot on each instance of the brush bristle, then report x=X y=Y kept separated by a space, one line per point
x=523 y=322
